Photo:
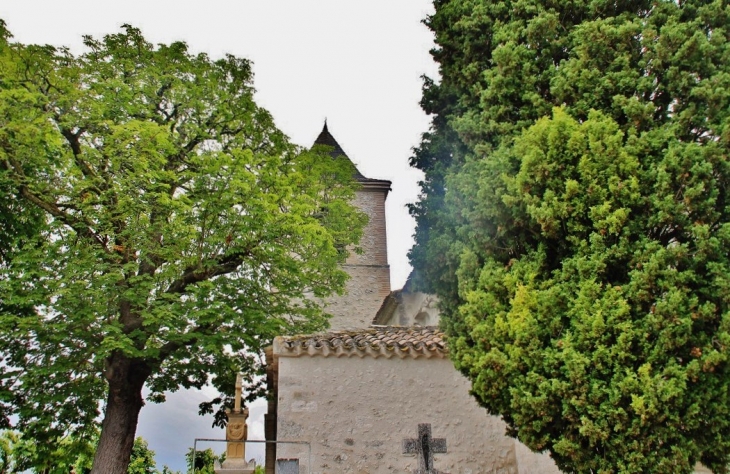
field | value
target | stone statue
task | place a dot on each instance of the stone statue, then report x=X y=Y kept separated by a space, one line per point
x=236 y=436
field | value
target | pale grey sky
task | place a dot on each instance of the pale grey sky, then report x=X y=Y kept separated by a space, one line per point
x=356 y=63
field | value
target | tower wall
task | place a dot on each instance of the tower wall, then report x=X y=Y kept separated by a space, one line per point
x=369 y=271
x=374 y=242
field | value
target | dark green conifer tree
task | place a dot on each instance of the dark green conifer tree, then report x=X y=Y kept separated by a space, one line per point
x=574 y=221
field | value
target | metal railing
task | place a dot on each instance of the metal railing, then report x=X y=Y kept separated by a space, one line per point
x=219 y=440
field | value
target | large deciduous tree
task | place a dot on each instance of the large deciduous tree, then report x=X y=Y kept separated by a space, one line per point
x=161 y=231
x=575 y=222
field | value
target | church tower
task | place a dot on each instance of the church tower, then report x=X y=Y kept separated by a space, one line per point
x=369 y=272
x=321 y=385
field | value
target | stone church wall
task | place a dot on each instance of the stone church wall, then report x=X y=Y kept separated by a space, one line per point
x=355 y=412
x=366 y=289
x=369 y=272
x=374 y=240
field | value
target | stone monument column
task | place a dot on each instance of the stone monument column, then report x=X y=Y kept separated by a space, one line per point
x=236 y=436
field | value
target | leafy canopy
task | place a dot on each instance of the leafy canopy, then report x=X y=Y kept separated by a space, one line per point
x=575 y=223
x=18 y=455
x=158 y=220
x=205 y=460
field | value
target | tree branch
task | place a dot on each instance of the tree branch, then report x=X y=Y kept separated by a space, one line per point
x=53 y=208
x=76 y=224
x=224 y=265
x=169 y=347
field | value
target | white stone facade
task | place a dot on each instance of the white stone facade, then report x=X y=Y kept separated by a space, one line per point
x=356 y=412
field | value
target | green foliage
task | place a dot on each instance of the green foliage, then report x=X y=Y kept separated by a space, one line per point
x=9 y=441
x=161 y=230
x=143 y=458
x=21 y=454
x=204 y=461
x=575 y=223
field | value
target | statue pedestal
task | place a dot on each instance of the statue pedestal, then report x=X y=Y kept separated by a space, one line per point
x=236 y=436
x=235 y=466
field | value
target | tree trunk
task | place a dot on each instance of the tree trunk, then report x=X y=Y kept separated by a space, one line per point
x=126 y=377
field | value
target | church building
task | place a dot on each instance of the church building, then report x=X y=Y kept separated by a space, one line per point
x=378 y=393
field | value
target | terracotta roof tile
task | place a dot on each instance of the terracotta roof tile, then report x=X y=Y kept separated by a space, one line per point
x=378 y=341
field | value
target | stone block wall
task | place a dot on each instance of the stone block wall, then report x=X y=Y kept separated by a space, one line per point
x=369 y=271
x=365 y=291
x=355 y=412
x=406 y=308
x=374 y=241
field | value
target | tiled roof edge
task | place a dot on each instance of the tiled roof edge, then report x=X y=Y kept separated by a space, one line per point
x=376 y=342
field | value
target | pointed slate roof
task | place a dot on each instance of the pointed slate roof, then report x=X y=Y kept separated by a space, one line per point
x=326 y=138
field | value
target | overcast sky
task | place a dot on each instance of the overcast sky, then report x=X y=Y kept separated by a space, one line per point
x=357 y=64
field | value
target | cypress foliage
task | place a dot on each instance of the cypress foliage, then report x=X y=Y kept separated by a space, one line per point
x=574 y=221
